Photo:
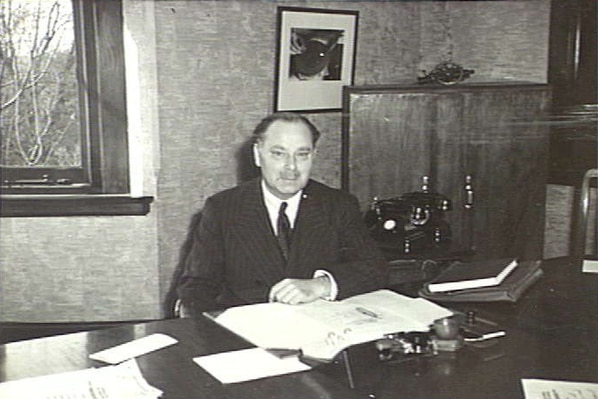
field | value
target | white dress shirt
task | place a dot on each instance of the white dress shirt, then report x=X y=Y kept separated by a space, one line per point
x=273 y=205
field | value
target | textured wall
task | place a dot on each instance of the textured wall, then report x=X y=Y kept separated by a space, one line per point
x=499 y=40
x=78 y=268
x=211 y=82
x=216 y=62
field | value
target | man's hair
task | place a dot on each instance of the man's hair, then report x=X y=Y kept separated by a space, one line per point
x=260 y=129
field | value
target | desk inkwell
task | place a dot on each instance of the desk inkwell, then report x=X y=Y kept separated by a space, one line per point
x=446 y=336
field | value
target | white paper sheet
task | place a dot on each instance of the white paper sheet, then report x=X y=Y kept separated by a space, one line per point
x=111 y=382
x=131 y=349
x=550 y=389
x=248 y=364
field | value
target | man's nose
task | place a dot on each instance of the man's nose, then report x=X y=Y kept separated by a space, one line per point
x=291 y=162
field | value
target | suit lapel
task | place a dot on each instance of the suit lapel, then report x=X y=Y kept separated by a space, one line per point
x=311 y=230
x=257 y=236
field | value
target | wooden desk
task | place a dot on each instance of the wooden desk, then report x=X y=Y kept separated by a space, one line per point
x=170 y=369
x=551 y=333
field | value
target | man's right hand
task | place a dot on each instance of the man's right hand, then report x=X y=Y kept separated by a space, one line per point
x=295 y=291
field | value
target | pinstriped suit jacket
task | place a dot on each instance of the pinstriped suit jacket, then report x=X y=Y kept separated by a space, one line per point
x=235 y=258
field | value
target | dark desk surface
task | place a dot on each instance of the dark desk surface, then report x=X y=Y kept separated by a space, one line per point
x=171 y=369
x=552 y=332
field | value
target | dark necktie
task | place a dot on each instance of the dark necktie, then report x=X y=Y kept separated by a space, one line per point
x=284 y=230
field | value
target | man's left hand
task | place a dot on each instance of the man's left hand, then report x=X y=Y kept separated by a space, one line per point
x=294 y=291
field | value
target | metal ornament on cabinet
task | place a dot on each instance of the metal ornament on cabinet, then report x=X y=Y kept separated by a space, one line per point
x=446 y=73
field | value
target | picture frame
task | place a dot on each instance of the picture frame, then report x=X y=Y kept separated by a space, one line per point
x=315 y=58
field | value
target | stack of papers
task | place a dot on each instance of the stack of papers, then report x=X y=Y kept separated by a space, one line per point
x=111 y=382
x=590 y=266
x=551 y=389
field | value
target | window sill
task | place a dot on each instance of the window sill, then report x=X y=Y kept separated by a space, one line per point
x=73 y=205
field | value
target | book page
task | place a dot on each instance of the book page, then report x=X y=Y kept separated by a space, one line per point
x=418 y=310
x=351 y=324
x=321 y=329
x=370 y=316
x=272 y=325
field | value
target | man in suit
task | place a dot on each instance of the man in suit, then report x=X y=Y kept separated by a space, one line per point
x=283 y=236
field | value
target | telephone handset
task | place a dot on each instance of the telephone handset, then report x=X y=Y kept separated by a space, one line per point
x=411 y=222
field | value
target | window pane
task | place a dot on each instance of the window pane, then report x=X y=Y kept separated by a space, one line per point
x=39 y=110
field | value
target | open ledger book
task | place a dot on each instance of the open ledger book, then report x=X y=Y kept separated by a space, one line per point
x=322 y=329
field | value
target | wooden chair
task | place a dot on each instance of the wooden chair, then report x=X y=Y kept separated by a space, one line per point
x=172 y=304
x=582 y=221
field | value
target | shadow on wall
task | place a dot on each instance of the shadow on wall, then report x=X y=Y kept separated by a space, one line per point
x=246 y=169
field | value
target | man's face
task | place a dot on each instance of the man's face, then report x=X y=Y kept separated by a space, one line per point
x=285 y=155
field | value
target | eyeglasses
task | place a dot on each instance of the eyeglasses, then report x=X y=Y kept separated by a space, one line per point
x=283 y=156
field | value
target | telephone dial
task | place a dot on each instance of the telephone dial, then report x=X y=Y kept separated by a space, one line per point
x=409 y=223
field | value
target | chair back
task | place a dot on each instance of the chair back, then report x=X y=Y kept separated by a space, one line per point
x=171 y=302
x=582 y=224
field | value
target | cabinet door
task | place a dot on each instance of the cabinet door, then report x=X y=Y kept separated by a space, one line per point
x=387 y=144
x=506 y=148
x=492 y=135
x=450 y=163
x=393 y=137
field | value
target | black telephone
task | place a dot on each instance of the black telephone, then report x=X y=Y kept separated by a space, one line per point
x=410 y=223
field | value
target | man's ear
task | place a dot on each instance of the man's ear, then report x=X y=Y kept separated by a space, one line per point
x=256 y=156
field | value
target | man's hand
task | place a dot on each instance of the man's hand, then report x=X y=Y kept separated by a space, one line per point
x=294 y=291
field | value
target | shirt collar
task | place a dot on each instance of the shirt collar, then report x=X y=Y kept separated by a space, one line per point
x=272 y=203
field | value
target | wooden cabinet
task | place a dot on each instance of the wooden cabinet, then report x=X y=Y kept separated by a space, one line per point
x=485 y=146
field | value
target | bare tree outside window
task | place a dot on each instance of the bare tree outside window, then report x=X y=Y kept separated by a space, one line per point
x=39 y=110
x=63 y=114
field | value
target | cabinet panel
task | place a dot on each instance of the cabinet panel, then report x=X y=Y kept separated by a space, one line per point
x=507 y=148
x=394 y=135
x=390 y=136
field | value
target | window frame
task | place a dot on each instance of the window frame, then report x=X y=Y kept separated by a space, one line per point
x=101 y=186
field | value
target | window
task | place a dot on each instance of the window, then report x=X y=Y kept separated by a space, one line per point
x=64 y=148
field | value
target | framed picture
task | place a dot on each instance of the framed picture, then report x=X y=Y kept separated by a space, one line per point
x=315 y=58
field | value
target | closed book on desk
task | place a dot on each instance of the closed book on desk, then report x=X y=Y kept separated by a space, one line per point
x=464 y=275
x=510 y=290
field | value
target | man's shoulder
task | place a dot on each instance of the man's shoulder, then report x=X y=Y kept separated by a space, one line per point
x=251 y=189
x=240 y=190
x=320 y=190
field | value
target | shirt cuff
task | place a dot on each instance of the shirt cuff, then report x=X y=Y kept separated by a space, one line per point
x=333 y=285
